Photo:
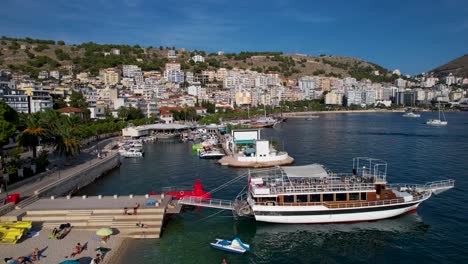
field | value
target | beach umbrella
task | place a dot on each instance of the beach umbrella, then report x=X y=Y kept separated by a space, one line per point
x=104 y=232
x=70 y=261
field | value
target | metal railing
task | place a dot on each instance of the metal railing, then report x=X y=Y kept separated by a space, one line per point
x=433 y=186
x=320 y=188
x=212 y=203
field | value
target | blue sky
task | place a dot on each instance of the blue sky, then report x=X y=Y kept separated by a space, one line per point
x=414 y=36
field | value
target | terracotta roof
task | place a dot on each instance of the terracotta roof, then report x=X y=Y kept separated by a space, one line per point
x=200 y=108
x=69 y=109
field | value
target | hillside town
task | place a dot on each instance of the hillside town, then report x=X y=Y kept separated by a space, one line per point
x=155 y=93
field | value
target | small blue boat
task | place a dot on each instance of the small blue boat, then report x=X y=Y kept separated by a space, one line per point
x=234 y=246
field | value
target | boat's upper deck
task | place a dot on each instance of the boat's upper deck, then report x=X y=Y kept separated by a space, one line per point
x=315 y=178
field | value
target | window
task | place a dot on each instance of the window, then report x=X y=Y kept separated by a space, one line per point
x=301 y=198
x=289 y=199
x=341 y=197
x=363 y=196
x=315 y=198
x=354 y=196
x=328 y=197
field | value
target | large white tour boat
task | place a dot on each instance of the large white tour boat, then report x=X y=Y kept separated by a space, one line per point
x=311 y=194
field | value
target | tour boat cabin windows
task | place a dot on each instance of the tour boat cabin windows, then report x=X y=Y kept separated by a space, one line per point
x=363 y=196
x=289 y=198
x=301 y=198
x=315 y=198
x=328 y=197
x=341 y=197
x=354 y=196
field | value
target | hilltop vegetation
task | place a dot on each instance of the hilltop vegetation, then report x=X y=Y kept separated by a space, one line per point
x=457 y=67
x=32 y=56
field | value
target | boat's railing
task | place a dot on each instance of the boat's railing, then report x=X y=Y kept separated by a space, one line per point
x=363 y=204
x=435 y=185
x=321 y=188
x=377 y=203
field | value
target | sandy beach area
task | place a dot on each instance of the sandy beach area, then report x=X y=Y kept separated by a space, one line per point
x=60 y=250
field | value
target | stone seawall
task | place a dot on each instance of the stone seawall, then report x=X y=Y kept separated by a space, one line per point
x=82 y=178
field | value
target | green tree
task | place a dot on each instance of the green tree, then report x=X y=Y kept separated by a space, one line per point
x=122 y=113
x=61 y=42
x=77 y=100
x=67 y=142
x=8 y=120
x=31 y=135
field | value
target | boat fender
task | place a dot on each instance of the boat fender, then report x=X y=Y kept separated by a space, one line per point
x=181 y=192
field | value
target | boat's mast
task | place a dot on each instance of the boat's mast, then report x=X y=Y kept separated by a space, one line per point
x=439 y=111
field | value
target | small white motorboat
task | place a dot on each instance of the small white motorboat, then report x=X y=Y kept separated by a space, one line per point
x=210 y=153
x=234 y=246
x=411 y=114
x=132 y=153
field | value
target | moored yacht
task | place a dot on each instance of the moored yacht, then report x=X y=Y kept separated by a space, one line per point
x=311 y=194
x=438 y=122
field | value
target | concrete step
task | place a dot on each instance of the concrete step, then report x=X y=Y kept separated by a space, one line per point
x=141 y=235
x=26 y=202
x=140 y=231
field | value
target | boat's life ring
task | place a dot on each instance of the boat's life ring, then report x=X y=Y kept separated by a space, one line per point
x=353 y=179
x=181 y=192
x=358 y=179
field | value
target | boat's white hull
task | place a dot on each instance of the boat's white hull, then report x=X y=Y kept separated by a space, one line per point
x=441 y=123
x=318 y=215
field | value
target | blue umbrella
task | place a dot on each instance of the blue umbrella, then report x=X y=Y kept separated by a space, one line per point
x=70 y=261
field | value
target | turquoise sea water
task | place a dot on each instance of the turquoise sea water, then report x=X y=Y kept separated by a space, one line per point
x=416 y=153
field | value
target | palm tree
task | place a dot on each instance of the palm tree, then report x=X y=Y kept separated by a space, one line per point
x=51 y=119
x=66 y=141
x=30 y=136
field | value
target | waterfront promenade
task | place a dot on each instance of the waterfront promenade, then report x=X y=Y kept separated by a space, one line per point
x=85 y=159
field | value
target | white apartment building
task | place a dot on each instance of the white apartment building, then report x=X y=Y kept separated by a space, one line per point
x=198 y=58
x=307 y=86
x=400 y=83
x=131 y=70
x=55 y=74
x=450 y=79
x=189 y=77
x=429 y=82
x=43 y=75
x=370 y=97
x=355 y=97
x=40 y=100
x=174 y=76
x=194 y=89
x=171 y=54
